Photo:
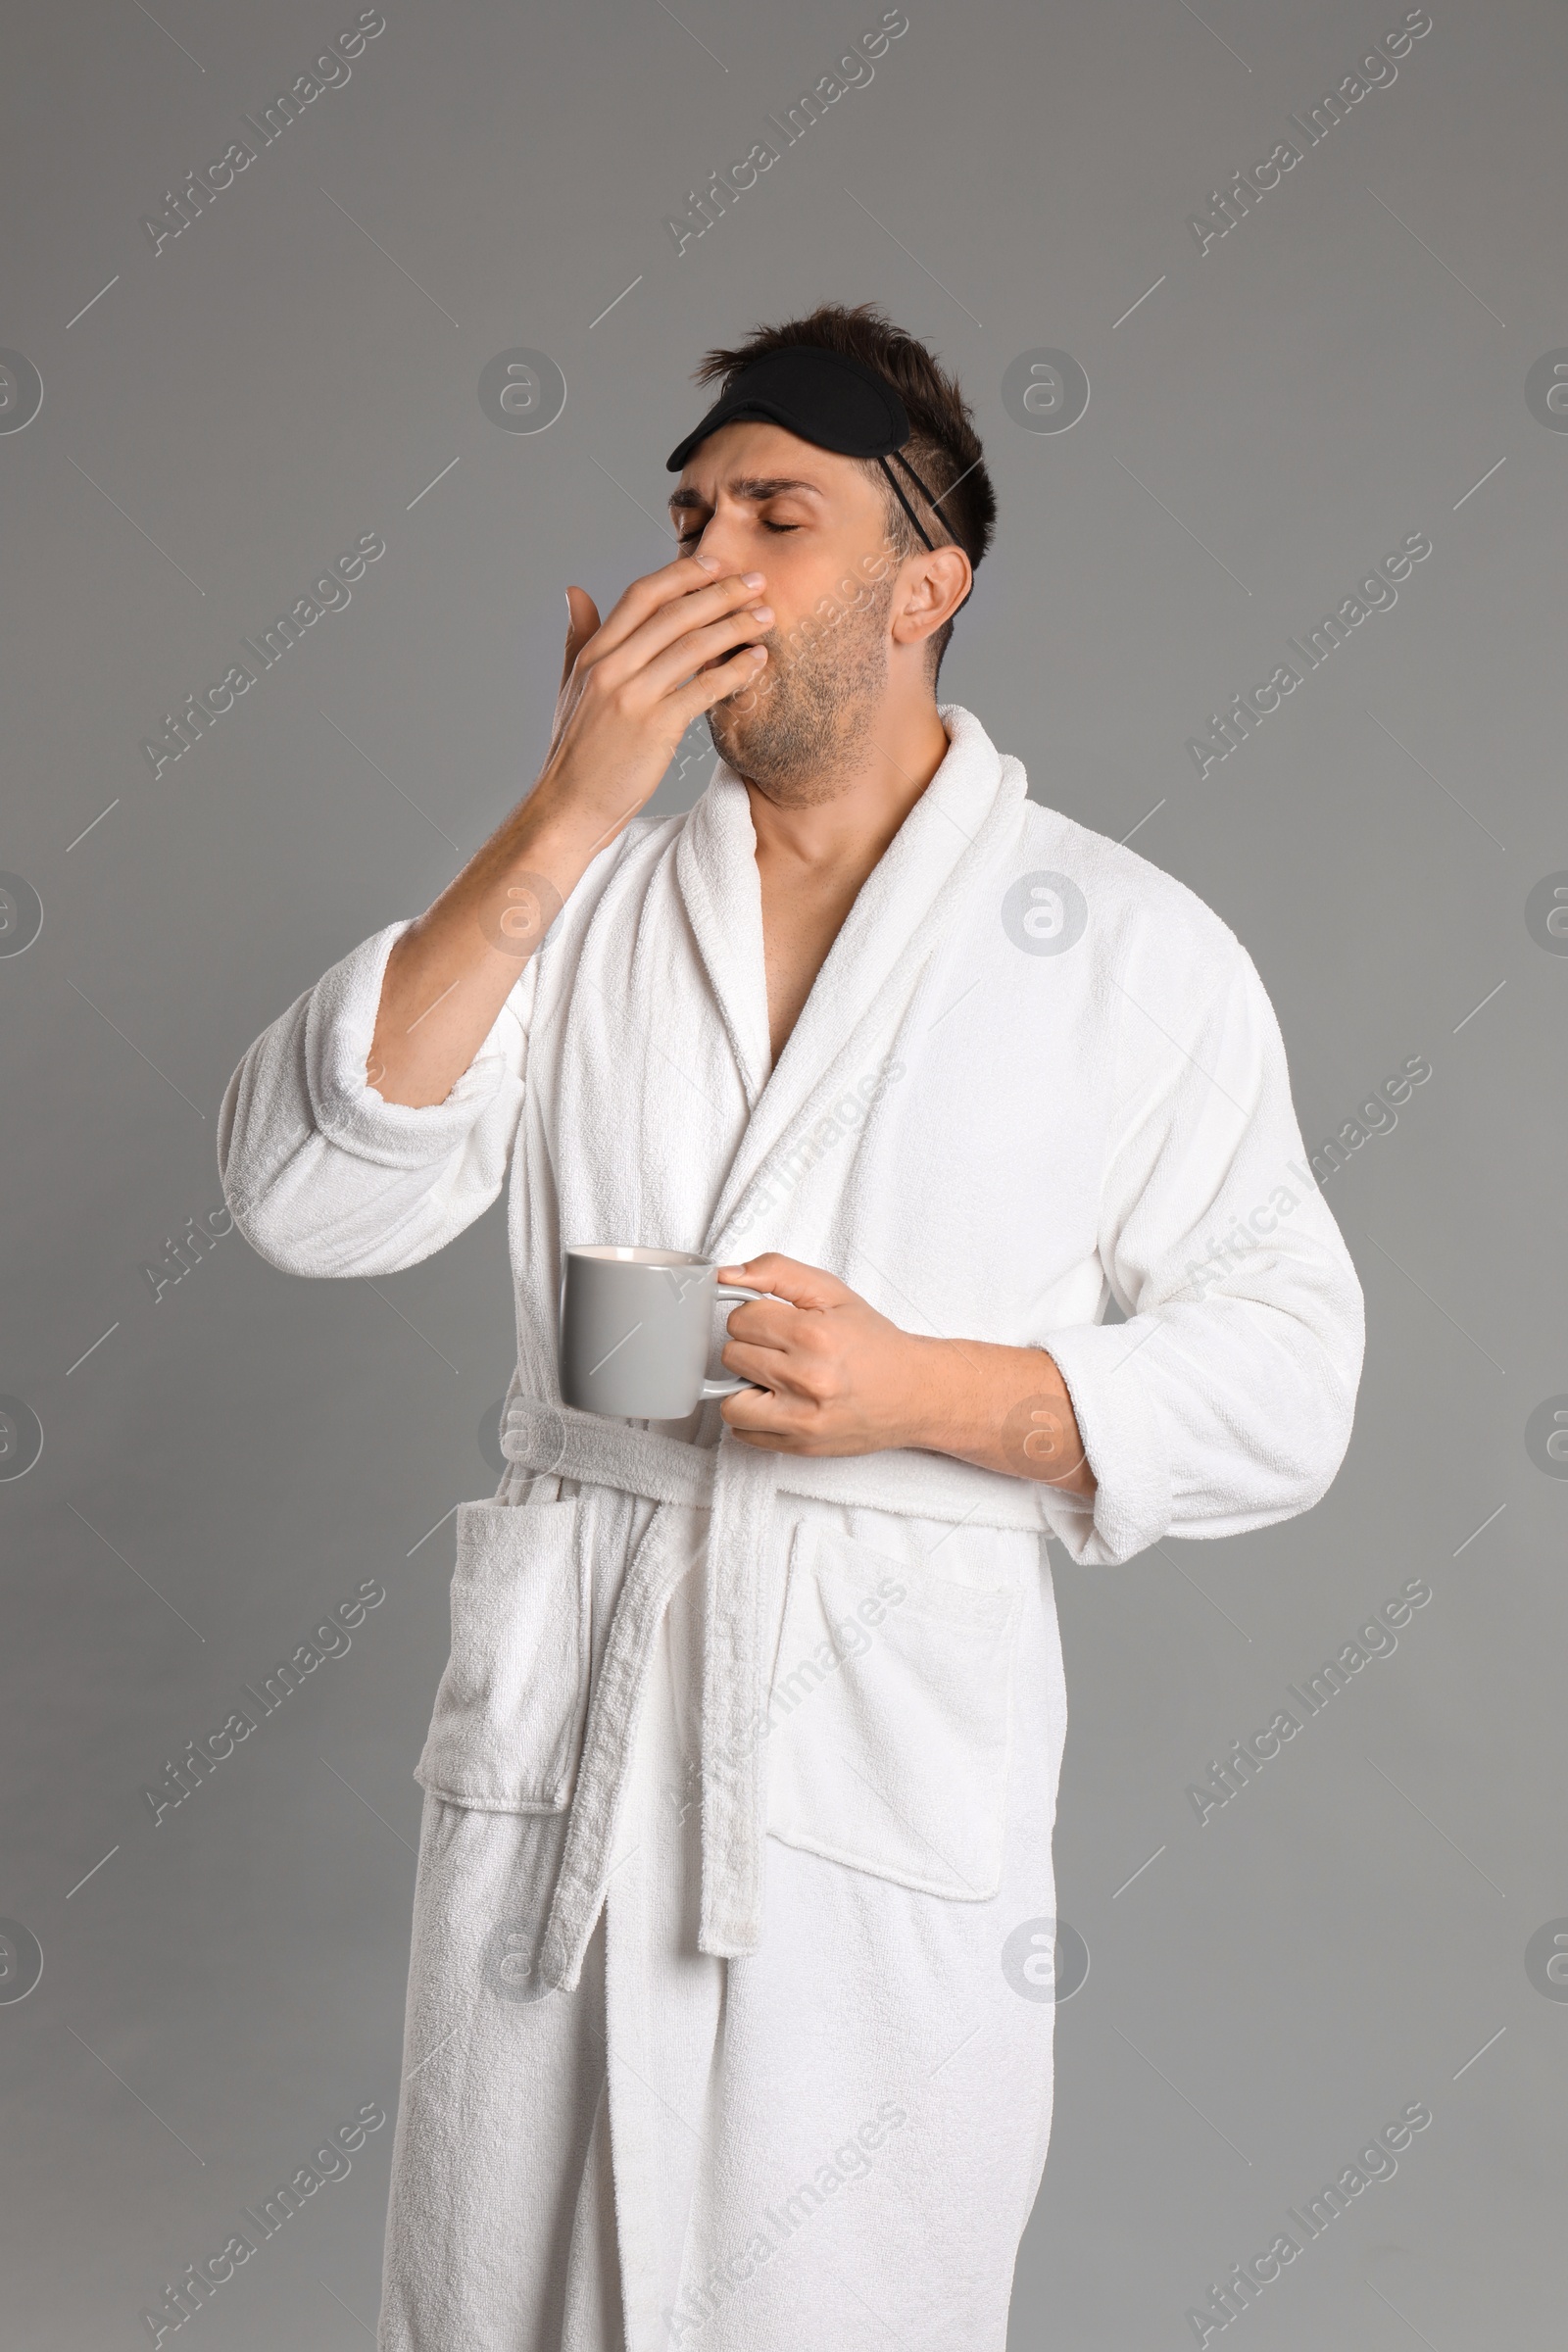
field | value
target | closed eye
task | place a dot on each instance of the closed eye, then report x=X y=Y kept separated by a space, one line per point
x=697 y=530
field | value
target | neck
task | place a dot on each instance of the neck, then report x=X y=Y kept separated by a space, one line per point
x=862 y=804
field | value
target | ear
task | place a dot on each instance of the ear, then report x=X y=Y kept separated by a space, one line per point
x=932 y=585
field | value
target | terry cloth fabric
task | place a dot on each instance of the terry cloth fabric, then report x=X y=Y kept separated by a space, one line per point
x=738 y=1486
x=637 y=2028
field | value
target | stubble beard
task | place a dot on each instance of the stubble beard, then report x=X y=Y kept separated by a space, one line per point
x=804 y=727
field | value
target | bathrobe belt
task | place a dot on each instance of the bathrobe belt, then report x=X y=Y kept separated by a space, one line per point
x=737 y=1484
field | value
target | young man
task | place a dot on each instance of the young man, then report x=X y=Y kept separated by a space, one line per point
x=735 y=1895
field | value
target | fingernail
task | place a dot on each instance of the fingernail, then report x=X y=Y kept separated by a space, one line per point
x=762 y=613
x=752 y=579
x=708 y=562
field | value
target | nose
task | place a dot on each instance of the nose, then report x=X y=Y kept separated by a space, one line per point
x=724 y=538
x=720 y=546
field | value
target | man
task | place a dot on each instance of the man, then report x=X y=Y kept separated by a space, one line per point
x=735 y=1858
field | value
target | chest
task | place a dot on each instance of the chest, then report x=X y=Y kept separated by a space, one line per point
x=959 y=1121
x=803 y=913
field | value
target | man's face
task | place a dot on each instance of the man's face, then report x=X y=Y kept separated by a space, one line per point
x=757 y=499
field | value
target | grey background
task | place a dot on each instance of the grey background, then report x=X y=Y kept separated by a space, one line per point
x=1339 y=371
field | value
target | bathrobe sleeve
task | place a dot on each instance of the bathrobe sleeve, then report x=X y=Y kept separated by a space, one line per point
x=1225 y=1401
x=321 y=1175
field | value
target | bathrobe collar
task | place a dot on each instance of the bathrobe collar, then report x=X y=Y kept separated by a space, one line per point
x=967 y=813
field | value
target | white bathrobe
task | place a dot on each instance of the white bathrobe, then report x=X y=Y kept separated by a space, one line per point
x=729 y=2020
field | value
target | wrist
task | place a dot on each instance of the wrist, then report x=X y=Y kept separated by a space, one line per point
x=584 y=801
x=931 y=1395
x=536 y=859
x=554 y=826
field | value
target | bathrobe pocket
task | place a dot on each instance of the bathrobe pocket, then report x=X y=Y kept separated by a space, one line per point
x=508 y=1724
x=890 y=1717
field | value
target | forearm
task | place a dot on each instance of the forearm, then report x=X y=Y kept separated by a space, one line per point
x=629 y=689
x=451 y=972
x=1001 y=1408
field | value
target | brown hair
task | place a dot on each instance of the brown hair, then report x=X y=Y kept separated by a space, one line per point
x=943 y=446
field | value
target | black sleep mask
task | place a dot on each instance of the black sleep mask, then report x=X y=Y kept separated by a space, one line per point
x=822 y=398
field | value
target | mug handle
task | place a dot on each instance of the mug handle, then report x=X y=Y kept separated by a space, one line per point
x=730 y=1386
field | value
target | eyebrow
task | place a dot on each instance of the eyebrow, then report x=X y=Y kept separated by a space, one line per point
x=751 y=485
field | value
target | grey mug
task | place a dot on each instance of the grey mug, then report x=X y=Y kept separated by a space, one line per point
x=636 y=1330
